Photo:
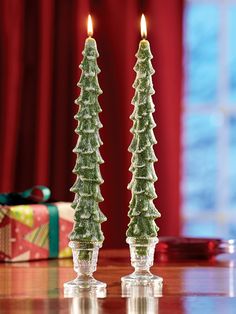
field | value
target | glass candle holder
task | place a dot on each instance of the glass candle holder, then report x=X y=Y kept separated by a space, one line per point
x=142 y=256
x=85 y=256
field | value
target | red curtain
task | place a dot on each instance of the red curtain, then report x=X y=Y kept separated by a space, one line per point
x=40 y=50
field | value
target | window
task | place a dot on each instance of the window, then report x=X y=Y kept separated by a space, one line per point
x=209 y=119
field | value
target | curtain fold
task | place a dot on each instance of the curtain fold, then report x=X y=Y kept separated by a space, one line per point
x=166 y=38
x=40 y=50
x=43 y=110
x=11 y=52
x=117 y=42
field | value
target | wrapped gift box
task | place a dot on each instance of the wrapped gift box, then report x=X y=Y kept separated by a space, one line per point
x=35 y=231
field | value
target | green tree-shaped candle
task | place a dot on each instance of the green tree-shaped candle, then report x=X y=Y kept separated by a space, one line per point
x=142 y=211
x=88 y=216
x=86 y=236
x=142 y=229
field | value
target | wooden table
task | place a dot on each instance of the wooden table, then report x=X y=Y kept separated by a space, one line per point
x=189 y=287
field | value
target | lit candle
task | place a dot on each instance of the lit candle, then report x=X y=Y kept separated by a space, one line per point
x=143 y=212
x=86 y=237
x=142 y=229
x=90 y=41
x=88 y=216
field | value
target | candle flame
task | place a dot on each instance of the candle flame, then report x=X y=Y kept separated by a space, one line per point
x=90 y=26
x=143 y=26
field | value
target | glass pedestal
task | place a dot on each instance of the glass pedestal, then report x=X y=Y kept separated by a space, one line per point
x=142 y=256
x=85 y=256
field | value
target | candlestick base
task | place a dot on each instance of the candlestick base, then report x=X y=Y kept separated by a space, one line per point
x=142 y=255
x=77 y=287
x=85 y=256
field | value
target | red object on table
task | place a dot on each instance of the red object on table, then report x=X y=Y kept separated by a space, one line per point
x=180 y=249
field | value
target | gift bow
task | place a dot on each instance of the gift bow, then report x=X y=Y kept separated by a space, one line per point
x=38 y=194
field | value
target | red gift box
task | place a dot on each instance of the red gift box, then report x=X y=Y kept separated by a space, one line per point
x=35 y=231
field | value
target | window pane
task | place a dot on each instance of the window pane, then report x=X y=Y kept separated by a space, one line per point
x=232 y=54
x=232 y=229
x=232 y=161
x=202 y=228
x=201 y=48
x=200 y=161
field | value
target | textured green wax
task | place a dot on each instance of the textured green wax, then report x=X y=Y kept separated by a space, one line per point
x=88 y=216
x=142 y=211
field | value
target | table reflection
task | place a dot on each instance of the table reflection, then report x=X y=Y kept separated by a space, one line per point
x=141 y=300
x=229 y=259
x=85 y=303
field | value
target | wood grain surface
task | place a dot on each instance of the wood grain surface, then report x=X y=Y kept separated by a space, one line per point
x=189 y=287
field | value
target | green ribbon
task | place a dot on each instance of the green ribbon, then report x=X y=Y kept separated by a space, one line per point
x=36 y=194
x=53 y=230
x=32 y=193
